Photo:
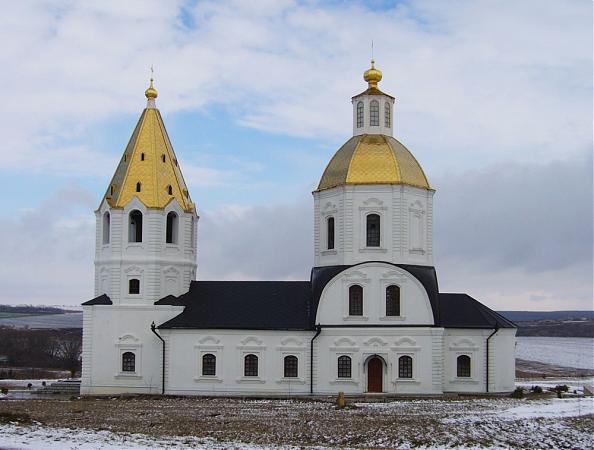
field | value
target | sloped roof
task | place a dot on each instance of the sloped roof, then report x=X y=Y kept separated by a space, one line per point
x=103 y=299
x=244 y=305
x=463 y=311
x=149 y=159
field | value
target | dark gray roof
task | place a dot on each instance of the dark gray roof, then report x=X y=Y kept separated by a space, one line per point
x=463 y=311
x=251 y=305
x=103 y=299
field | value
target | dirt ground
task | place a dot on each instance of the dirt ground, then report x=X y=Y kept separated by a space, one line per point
x=403 y=423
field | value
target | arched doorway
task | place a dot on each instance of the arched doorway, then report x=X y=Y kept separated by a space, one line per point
x=375 y=372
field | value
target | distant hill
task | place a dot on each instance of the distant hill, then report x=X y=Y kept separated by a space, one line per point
x=32 y=310
x=525 y=316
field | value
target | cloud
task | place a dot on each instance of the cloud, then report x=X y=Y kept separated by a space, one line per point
x=488 y=79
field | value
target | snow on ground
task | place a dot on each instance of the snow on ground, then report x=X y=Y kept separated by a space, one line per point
x=567 y=352
x=552 y=408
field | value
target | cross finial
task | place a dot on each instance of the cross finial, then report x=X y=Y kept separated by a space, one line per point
x=372 y=50
x=152 y=72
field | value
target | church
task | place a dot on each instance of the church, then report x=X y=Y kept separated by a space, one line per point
x=370 y=319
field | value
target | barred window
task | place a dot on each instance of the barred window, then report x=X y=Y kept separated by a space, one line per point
x=463 y=366
x=128 y=362
x=405 y=367
x=374 y=113
x=373 y=230
x=209 y=364
x=392 y=301
x=355 y=300
x=250 y=366
x=344 y=367
x=359 y=114
x=330 y=224
x=134 y=286
x=387 y=115
x=291 y=366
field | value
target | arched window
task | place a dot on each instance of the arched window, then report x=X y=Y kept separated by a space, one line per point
x=405 y=367
x=171 y=229
x=138 y=186
x=373 y=230
x=359 y=114
x=142 y=156
x=209 y=364
x=291 y=366
x=134 y=286
x=169 y=190
x=330 y=226
x=392 y=301
x=128 y=362
x=463 y=366
x=374 y=113
x=250 y=366
x=344 y=366
x=355 y=300
x=387 y=115
x=135 y=227
x=106 y=227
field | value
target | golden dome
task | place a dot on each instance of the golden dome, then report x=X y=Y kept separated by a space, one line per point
x=373 y=76
x=151 y=92
x=373 y=159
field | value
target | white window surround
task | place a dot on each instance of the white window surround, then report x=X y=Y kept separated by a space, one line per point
x=330 y=210
x=206 y=345
x=133 y=272
x=354 y=379
x=416 y=228
x=347 y=282
x=128 y=343
x=251 y=345
x=364 y=211
x=299 y=379
x=412 y=352
x=468 y=347
x=397 y=279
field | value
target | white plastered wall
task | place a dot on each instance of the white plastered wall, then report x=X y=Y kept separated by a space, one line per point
x=400 y=207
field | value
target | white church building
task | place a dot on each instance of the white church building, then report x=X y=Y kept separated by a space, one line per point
x=371 y=319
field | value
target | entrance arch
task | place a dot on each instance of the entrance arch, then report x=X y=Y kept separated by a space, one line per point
x=375 y=374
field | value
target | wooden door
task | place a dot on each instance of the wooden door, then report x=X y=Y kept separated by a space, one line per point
x=375 y=371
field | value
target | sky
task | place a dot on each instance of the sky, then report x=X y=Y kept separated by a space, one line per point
x=493 y=98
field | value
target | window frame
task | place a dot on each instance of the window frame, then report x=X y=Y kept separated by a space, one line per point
x=131 y=283
x=330 y=233
x=293 y=361
x=405 y=367
x=360 y=114
x=387 y=115
x=397 y=300
x=208 y=366
x=125 y=364
x=106 y=228
x=250 y=369
x=374 y=118
x=138 y=235
x=466 y=371
x=344 y=367
x=356 y=295
x=369 y=238
x=172 y=228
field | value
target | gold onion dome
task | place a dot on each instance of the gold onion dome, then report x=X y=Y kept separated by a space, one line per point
x=373 y=159
x=373 y=76
x=151 y=92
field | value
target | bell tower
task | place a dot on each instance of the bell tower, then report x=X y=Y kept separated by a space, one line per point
x=146 y=222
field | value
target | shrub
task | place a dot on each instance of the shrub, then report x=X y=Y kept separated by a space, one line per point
x=4 y=390
x=536 y=389
x=518 y=393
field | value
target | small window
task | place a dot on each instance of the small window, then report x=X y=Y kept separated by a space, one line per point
x=405 y=367
x=142 y=156
x=374 y=113
x=175 y=162
x=463 y=366
x=355 y=300
x=138 y=186
x=209 y=365
x=359 y=114
x=344 y=367
x=134 y=286
x=125 y=157
x=387 y=115
x=171 y=228
x=250 y=366
x=128 y=362
x=373 y=230
x=392 y=301
x=330 y=224
x=163 y=157
x=106 y=227
x=135 y=227
x=169 y=190
x=111 y=189
x=291 y=366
